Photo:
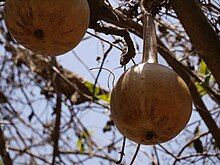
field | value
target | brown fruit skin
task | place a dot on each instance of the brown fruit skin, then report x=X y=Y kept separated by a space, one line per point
x=150 y=104
x=48 y=27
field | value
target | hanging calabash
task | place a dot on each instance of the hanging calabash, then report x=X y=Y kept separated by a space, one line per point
x=150 y=103
x=47 y=27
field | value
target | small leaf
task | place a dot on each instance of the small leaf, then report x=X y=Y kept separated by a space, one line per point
x=80 y=146
x=203 y=68
x=85 y=135
x=200 y=89
x=108 y=126
x=90 y=86
x=207 y=79
x=98 y=94
x=190 y=145
x=198 y=146
x=30 y=117
x=197 y=131
x=104 y=97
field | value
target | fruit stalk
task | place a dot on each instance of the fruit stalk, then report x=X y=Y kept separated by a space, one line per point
x=150 y=39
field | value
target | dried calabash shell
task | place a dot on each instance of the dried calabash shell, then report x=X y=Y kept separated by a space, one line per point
x=48 y=27
x=150 y=104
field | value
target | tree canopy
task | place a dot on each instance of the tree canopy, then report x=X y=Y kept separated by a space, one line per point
x=51 y=113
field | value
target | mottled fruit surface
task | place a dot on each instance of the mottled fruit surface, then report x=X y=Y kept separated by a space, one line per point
x=48 y=27
x=150 y=104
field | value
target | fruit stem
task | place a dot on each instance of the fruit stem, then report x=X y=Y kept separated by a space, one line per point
x=150 y=39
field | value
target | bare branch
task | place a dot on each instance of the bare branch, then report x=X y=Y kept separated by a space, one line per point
x=3 y=151
x=56 y=132
x=122 y=152
x=201 y=33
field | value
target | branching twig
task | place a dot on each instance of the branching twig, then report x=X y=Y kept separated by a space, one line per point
x=130 y=53
x=203 y=111
x=200 y=32
x=122 y=151
x=187 y=144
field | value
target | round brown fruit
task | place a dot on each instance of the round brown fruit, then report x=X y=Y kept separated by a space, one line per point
x=150 y=104
x=47 y=27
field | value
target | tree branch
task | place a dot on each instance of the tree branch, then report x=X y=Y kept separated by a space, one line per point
x=122 y=151
x=200 y=32
x=121 y=21
x=187 y=144
x=3 y=152
x=66 y=82
x=3 y=98
x=130 y=53
x=202 y=110
x=56 y=132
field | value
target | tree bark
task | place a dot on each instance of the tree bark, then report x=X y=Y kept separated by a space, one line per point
x=201 y=33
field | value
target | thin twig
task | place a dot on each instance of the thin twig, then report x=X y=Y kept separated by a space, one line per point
x=106 y=41
x=135 y=154
x=56 y=131
x=199 y=104
x=167 y=151
x=126 y=55
x=187 y=144
x=122 y=151
x=100 y=70
x=157 y=156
